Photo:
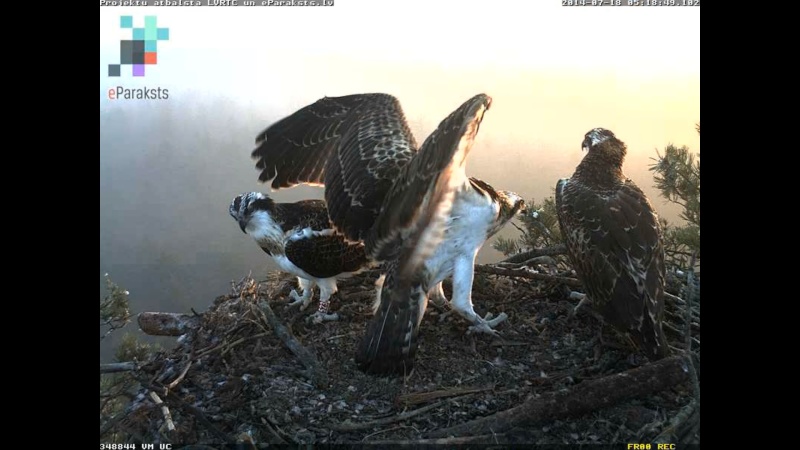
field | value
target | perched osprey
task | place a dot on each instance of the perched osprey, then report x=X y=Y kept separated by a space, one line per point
x=414 y=209
x=614 y=242
x=298 y=236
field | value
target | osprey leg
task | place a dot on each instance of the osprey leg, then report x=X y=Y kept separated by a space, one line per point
x=463 y=276
x=326 y=290
x=307 y=286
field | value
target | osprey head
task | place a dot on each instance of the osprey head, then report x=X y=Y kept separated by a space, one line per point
x=244 y=205
x=603 y=143
x=511 y=204
x=596 y=137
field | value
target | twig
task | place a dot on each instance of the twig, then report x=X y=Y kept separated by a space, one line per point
x=559 y=249
x=196 y=412
x=685 y=419
x=227 y=347
x=164 y=410
x=584 y=397
x=423 y=397
x=349 y=426
x=522 y=273
x=175 y=382
x=548 y=260
x=119 y=367
x=306 y=357
x=399 y=427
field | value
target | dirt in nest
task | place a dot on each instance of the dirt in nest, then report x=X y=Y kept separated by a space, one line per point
x=244 y=382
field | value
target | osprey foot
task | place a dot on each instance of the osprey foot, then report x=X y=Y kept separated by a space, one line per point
x=319 y=317
x=487 y=324
x=577 y=296
x=301 y=300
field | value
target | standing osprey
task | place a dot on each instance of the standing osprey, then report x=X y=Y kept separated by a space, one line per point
x=614 y=242
x=300 y=239
x=416 y=210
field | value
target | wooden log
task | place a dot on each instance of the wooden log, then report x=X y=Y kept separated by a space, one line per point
x=167 y=324
x=583 y=398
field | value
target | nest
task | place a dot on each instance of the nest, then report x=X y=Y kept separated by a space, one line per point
x=235 y=377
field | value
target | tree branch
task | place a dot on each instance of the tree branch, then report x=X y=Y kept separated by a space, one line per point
x=523 y=273
x=559 y=249
x=118 y=367
x=306 y=357
x=348 y=426
x=585 y=397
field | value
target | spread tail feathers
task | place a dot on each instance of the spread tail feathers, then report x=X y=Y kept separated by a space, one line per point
x=390 y=342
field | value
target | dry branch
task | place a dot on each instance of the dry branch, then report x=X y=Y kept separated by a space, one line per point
x=306 y=356
x=167 y=324
x=682 y=426
x=415 y=398
x=523 y=273
x=193 y=410
x=118 y=367
x=559 y=249
x=164 y=410
x=585 y=397
x=348 y=426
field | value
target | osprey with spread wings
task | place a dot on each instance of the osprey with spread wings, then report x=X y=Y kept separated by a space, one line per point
x=412 y=207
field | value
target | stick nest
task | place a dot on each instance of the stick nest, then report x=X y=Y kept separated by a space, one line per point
x=234 y=380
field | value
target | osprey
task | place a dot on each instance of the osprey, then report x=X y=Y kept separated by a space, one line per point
x=414 y=209
x=614 y=242
x=298 y=236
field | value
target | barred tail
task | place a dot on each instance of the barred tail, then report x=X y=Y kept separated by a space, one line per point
x=390 y=342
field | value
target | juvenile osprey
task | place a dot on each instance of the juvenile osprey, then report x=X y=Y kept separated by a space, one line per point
x=298 y=236
x=415 y=210
x=614 y=242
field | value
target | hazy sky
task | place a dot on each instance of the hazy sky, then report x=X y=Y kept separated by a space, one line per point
x=553 y=72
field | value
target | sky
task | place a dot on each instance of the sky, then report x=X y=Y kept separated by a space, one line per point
x=553 y=72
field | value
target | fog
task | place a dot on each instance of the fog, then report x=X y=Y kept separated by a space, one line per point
x=170 y=168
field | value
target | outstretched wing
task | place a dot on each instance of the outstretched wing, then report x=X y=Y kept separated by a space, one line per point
x=355 y=145
x=409 y=230
x=435 y=171
x=324 y=254
x=294 y=149
x=376 y=144
x=615 y=244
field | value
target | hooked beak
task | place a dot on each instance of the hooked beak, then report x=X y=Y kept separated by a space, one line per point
x=243 y=226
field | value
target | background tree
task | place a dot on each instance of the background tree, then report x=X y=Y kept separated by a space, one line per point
x=677 y=175
x=118 y=389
